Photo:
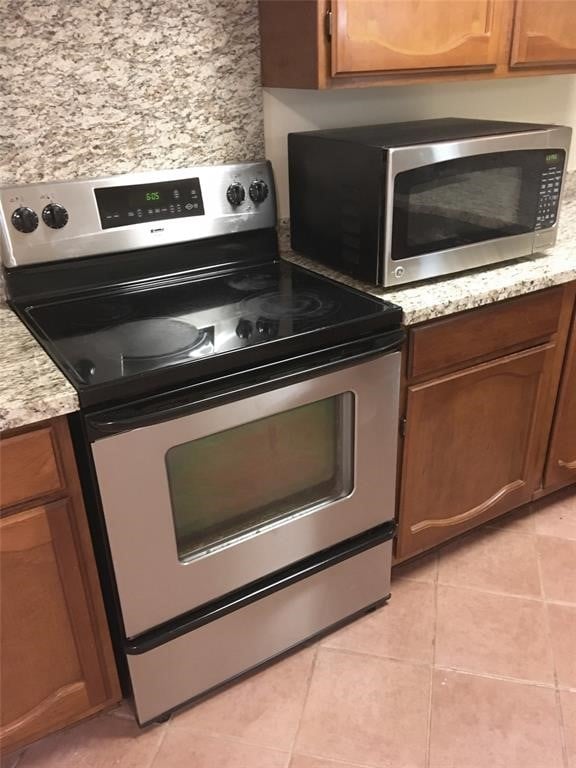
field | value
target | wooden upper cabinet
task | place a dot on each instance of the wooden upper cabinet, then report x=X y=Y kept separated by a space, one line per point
x=561 y=464
x=544 y=33
x=355 y=43
x=388 y=35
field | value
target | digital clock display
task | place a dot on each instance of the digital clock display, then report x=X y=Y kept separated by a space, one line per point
x=142 y=203
x=553 y=157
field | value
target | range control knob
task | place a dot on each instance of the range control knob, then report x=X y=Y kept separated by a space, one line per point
x=24 y=219
x=244 y=329
x=235 y=194
x=258 y=191
x=55 y=216
x=267 y=327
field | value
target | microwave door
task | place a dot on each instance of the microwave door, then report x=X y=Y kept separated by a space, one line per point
x=465 y=201
x=467 y=211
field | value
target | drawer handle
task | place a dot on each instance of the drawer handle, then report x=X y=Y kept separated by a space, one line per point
x=567 y=464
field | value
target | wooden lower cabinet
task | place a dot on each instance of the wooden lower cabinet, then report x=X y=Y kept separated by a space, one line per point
x=483 y=389
x=56 y=658
x=470 y=448
x=561 y=464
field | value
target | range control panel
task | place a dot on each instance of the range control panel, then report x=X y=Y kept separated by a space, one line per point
x=121 y=206
x=52 y=221
x=549 y=191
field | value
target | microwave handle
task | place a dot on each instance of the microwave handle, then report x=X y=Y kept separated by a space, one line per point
x=235 y=386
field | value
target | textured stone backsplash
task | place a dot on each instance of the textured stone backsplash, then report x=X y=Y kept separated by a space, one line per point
x=111 y=86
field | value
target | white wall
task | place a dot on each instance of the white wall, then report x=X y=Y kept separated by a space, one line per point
x=533 y=99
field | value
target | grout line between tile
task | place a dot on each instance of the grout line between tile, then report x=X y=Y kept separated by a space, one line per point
x=337 y=761
x=492 y=592
x=160 y=743
x=559 y=715
x=16 y=759
x=562 y=727
x=233 y=740
x=491 y=676
x=432 y=666
x=305 y=700
x=371 y=655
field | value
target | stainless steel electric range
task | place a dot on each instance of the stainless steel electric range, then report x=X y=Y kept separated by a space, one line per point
x=238 y=424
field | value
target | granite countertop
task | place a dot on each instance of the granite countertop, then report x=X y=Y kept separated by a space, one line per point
x=33 y=389
x=445 y=296
x=31 y=386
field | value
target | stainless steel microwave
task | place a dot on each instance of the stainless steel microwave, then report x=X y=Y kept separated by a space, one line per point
x=397 y=203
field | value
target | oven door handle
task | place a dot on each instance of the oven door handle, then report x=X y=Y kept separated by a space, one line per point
x=203 y=395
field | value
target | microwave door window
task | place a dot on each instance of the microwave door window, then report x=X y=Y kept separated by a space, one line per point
x=465 y=201
x=231 y=483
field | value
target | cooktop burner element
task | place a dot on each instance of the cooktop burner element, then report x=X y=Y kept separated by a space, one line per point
x=278 y=305
x=251 y=282
x=156 y=337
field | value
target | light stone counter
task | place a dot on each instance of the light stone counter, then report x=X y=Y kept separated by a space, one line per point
x=31 y=386
x=445 y=296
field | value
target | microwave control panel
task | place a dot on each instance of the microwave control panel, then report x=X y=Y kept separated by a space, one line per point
x=549 y=193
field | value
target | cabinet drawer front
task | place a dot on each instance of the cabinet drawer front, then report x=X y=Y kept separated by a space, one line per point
x=485 y=333
x=29 y=467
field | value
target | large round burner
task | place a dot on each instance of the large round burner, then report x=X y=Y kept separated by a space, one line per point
x=157 y=337
x=99 y=315
x=248 y=282
x=278 y=305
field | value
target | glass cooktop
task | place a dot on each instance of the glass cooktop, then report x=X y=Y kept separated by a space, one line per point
x=115 y=335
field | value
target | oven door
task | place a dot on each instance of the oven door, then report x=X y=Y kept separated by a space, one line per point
x=464 y=204
x=200 y=505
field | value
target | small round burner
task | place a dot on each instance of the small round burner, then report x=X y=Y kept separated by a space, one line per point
x=278 y=305
x=156 y=338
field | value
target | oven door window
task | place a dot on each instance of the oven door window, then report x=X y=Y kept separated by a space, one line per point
x=469 y=200
x=234 y=482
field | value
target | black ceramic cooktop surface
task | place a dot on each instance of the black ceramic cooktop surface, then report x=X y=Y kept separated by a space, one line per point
x=110 y=337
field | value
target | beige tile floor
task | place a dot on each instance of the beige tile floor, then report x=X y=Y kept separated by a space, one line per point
x=472 y=664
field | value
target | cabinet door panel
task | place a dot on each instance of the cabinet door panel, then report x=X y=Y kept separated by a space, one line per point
x=544 y=33
x=28 y=467
x=469 y=451
x=387 y=35
x=51 y=670
x=561 y=465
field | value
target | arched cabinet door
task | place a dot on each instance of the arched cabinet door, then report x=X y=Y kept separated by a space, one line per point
x=389 y=36
x=544 y=33
x=471 y=448
x=561 y=464
x=56 y=656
